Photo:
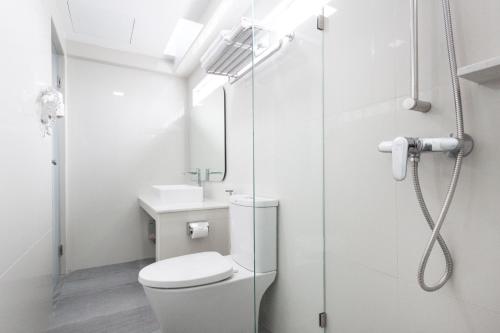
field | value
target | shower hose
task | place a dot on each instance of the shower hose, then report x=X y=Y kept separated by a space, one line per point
x=436 y=227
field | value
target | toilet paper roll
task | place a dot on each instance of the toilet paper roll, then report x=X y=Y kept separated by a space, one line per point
x=198 y=230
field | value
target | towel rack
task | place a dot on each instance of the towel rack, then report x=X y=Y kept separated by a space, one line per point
x=231 y=53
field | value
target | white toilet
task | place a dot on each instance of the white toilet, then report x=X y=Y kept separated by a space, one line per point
x=209 y=293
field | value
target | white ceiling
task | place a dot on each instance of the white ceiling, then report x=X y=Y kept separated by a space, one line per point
x=137 y=26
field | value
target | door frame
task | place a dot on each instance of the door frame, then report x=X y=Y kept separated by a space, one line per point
x=58 y=65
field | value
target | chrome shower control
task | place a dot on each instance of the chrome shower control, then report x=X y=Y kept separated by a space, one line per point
x=399 y=158
x=440 y=144
x=402 y=148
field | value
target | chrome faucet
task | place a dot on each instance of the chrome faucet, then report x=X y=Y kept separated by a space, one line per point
x=197 y=173
x=208 y=173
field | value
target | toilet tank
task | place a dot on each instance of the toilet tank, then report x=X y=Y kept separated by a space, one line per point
x=242 y=232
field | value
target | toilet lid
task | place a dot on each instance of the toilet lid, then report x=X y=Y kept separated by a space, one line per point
x=187 y=271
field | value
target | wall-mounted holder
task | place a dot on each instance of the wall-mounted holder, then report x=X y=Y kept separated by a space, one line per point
x=198 y=229
x=51 y=103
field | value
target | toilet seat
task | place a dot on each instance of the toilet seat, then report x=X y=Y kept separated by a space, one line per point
x=187 y=271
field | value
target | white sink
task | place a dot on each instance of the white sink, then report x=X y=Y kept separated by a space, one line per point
x=175 y=194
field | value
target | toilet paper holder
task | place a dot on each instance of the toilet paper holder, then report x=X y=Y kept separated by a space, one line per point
x=198 y=229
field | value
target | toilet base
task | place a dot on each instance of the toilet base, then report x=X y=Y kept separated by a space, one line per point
x=223 y=307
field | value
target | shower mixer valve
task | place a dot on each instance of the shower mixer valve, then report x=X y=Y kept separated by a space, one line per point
x=403 y=148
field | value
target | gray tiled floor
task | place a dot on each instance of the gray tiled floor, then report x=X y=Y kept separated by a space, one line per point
x=103 y=300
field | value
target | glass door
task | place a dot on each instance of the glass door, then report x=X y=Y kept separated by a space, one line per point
x=288 y=159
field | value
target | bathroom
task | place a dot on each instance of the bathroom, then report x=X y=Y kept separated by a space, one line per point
x=237 y=166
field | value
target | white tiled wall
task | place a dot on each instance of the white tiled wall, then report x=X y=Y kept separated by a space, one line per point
x=375 y=231
x=118 y=146
x=25 y=171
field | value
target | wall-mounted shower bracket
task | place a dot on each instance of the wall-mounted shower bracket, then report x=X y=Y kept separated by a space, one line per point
x=403 y=148
x=413 y=102
x=467 y=145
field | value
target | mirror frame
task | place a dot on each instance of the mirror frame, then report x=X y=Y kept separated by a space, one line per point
x=225 y=137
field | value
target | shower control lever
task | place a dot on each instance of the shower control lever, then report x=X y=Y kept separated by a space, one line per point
x=402 y=148
x=399 y=158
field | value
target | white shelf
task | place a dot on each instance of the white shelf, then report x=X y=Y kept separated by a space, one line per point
x=481 y=72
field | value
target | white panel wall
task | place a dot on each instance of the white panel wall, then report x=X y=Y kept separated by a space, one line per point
x=118 y=146
x=375 y=231
x=25 y=171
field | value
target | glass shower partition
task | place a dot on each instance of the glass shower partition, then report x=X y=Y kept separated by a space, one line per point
x=228 y=61
x=287 y=85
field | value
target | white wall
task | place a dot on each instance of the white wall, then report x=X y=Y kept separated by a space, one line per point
x=375 y=231
x=25 y=177
x=118 y=146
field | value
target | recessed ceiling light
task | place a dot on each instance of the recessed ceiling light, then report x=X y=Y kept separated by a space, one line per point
x=119 y=93
x=185 y=33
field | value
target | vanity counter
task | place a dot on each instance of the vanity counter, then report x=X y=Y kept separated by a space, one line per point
x=154 y=207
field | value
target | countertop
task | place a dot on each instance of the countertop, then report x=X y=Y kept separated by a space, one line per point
x=155 y=207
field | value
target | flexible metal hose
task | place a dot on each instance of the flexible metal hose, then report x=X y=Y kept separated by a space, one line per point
x=455 y=174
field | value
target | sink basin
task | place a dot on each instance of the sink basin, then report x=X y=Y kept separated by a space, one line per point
x=175 y=194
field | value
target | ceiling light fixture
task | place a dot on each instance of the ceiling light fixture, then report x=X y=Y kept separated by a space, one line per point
x=183 y=36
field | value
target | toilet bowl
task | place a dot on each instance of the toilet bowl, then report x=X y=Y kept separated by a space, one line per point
x=207 y=292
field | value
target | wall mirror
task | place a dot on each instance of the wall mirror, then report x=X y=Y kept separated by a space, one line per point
x=207 y=128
